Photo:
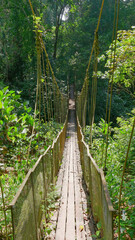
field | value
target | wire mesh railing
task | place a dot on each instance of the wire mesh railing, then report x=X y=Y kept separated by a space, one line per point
x=102 y=208
x=26 y=207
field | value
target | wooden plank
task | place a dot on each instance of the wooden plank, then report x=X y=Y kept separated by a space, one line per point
x=61 y=174
x=80 y=231
x=88 y=221
x=59 y=186
x=60 y=230
x=70 y=226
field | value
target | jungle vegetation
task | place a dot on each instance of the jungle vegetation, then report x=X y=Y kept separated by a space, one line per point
x=68 y=28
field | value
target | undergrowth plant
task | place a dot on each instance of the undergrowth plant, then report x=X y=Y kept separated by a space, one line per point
x=48 y=210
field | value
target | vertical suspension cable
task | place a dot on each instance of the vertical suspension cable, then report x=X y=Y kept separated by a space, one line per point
x=86 y=80
x=54 y=83
x=48 y=91
x=43 y=97
x=39 y=89
x=46 y=94
x=39 y=72
x=36 y=104
x=108 y=90
x=94 y=87
x=109 y=114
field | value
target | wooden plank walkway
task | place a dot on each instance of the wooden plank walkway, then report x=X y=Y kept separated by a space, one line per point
x=72 y=221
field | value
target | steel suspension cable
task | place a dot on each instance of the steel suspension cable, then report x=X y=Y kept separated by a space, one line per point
x=39 y=90
x=108 y=90
x=43 y=46
x=96 y=31
x=94 y=88
x=110 y=103
x=85 y=87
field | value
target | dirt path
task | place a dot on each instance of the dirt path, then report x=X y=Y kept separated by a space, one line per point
x=72 y=221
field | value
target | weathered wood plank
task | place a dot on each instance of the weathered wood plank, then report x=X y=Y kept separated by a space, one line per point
x=78 y=200
x=59 y=185
x=70 y=226
x=60 y=231
x=88 y=222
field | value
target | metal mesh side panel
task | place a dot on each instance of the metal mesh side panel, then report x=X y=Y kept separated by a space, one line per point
x=107 y=215
x=38 y=188
x=55 y=159
x=58 y=154
x=100 y=200
x=62 y=137
x=26 y=206
x=96 y=192
x=86 y=166
x=23 y=213
x=62 y=142
x=81 y=149
x=48 y=161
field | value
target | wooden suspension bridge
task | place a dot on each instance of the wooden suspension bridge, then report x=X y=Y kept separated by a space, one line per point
x=78 y=212
x=71 y=219
x=81 y=183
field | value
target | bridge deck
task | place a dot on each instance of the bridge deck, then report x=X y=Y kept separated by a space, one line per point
x=72 y=221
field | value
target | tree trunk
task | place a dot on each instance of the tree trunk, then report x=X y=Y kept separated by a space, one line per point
x=58 y=23
x=56 y=40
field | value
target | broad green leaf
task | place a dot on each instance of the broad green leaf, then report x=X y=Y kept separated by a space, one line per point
x=0 y=104
x=99 y=225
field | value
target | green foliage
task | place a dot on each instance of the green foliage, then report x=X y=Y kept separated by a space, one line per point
x=123 y=79
x=16 y=124
x=74 y=40
x=17 y=41
x=15 y=120
x=48 y=209
x=99 y=136
x=124 y=59
x=98 y=232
